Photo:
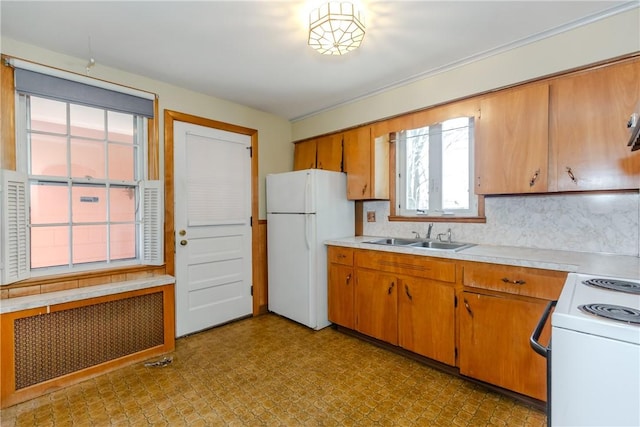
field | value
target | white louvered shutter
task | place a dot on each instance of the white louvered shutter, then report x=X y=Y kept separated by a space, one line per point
x=15 y=227
x=152 y=242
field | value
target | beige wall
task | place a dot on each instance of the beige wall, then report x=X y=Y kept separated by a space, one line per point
x=274 y=133
x=608 y=38
x=604 y=39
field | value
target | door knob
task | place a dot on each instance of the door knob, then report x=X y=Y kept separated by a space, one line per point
x=183 y=243
x=182 y=232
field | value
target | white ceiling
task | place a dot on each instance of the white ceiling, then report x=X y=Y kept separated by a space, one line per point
x=255 y=52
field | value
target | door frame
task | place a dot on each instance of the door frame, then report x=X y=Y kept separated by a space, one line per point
x=169 y=226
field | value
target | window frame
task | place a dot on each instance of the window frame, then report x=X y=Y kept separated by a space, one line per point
x=468 y=107
x=435 y=168
x=153 y=190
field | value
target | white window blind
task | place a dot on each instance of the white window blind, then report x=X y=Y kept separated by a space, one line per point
x=216 y=191
x=15 y=227
x=152 y=223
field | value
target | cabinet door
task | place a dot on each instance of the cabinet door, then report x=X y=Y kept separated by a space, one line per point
x=511 y=146
x=304 y=155
x=494 y=343
x=341 y=295
x=357 y=163
x=330 y=153
x=589 y=112
x=376 y=305
x=426 y=321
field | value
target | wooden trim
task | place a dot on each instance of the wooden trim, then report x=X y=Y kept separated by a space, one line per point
x=169 y=226
x=7 y=118
x=261 y=278
x=153 y=144
x=359 y=218
x=9 y=396
x=169 y=231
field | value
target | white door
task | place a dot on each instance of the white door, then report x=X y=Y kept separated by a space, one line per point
x=213 y=230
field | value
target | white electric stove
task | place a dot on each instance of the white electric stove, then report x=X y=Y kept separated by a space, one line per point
x=595 y=353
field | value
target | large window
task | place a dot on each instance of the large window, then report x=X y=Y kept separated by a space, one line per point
x=435 y=170
x=79 y=198
x=84 y=168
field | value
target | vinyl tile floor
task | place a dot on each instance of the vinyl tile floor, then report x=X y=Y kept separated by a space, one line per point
x=269 y=371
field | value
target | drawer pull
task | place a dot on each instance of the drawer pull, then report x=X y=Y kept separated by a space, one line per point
x=534 y=178
x=391 y=288
x=515 y=282
x=466 y=305
x=341 y=256
x=348 y=279
x=406 y=290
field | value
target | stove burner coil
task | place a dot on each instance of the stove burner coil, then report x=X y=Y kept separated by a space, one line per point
x=614 y=285
x=613 y=312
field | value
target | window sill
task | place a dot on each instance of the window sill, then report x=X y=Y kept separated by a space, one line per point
x=460 y=219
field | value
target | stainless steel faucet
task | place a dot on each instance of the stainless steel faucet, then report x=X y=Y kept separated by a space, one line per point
x=447 y=234
x=416 y=234
x=428 y=236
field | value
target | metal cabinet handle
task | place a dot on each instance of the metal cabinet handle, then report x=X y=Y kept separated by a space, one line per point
x=466 y=305
x=534 y=178
x=364 y=189
x=571 y=175
x=391 y=288
x=515 y=282
x=183 y=242
x=348 y=279
x=406 y=290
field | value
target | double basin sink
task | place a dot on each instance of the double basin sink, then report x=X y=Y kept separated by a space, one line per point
x=422 y=244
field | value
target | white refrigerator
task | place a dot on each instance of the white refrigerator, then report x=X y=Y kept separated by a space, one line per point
x=304 y=208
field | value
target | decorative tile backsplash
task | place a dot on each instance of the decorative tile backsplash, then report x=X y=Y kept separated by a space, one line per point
x=605 y=223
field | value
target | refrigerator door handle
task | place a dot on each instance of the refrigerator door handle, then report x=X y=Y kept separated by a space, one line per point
x=307 y=190
x=306 y=231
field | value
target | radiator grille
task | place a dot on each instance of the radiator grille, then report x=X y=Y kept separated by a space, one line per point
x=55 y=344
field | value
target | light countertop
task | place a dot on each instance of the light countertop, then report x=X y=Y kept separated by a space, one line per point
x=10 y=305
x=620 y=266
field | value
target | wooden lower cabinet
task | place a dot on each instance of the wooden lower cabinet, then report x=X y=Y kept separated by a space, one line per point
x=410 y=301
x=494 y=342
x=404 y=300
x=341 y=295
x=376 y=305
x=426 y=319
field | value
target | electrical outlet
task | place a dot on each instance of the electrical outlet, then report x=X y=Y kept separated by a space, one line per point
x=371 y=216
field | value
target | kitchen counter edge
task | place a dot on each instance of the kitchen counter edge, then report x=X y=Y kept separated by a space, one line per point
x=620 y=266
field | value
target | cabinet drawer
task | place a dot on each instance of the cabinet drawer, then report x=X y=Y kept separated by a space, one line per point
x=411 y=265
x=339 y=255
x=531 y=282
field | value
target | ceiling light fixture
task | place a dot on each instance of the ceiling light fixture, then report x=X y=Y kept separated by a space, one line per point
x=336 y=28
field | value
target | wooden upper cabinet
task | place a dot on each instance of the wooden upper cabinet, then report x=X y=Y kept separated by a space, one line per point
x=511 y=145
x=589 y=112
x=319 y=153
x=304 y=155
x=366 y=162
x=329 y=153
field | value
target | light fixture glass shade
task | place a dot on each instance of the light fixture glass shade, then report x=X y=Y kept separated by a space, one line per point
x=336 y=28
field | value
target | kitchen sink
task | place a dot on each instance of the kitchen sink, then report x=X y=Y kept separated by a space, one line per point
x=443 y=246
x=392 y=241
x=423 y=244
